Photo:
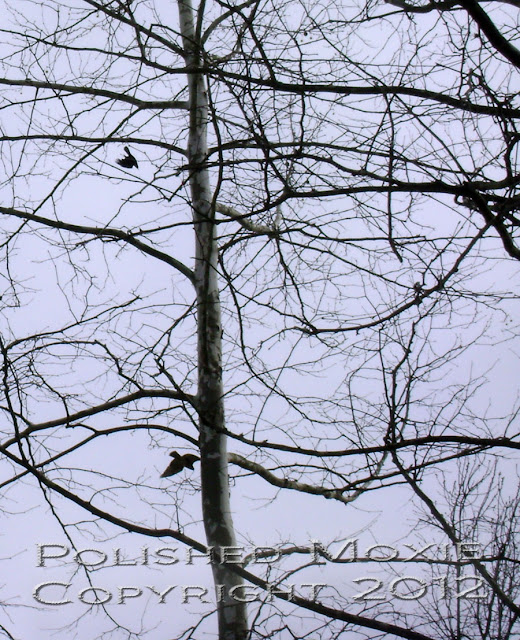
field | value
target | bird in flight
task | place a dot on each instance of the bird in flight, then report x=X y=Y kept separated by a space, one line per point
x=179 y=463
x=128 y=162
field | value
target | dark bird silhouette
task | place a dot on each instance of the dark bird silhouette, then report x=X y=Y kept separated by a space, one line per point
x=128 y=162
x=179 y=463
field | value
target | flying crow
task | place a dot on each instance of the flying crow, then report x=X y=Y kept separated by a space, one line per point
x=128 y=162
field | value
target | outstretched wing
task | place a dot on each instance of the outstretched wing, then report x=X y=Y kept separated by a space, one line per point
x=174 y=467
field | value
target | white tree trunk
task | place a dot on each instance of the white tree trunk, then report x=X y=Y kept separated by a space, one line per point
x=232 y=614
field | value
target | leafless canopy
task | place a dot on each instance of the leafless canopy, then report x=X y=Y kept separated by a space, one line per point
x=303 y=273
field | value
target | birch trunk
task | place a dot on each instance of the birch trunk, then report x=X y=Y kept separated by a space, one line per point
x=232 y=614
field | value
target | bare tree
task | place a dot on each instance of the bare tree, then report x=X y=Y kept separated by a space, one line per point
x=346 y=176
x=481 y=512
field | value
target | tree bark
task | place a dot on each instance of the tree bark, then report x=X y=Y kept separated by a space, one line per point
x=232 y=614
